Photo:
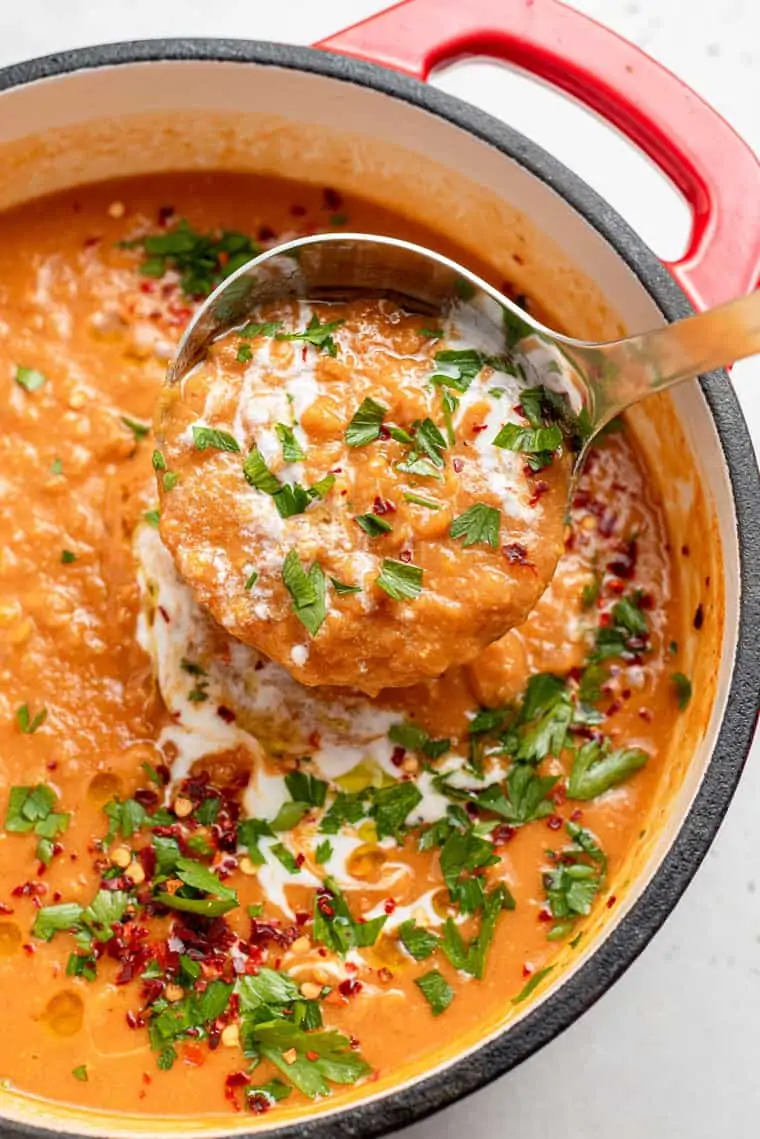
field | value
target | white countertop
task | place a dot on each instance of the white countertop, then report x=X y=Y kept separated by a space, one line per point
x=673 y=1051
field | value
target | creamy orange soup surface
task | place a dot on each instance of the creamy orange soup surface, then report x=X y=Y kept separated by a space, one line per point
x=222 y=891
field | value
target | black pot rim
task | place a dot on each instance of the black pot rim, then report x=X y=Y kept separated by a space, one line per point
x=399 y=1108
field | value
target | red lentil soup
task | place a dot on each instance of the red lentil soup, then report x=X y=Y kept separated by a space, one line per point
x=222 y=892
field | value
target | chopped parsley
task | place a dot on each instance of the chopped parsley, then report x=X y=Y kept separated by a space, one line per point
x=292 y=451
x=138 y=429
x=342 y=589
x=33 y=809
x=210 y=438
x=260 y=328
x=67 y=557
x=682 y=688
x=596 y=769
x=414 y=738
x=572 y=885
x=80 y=1073
x=152 y=517
x=479 y=523
x=317 y=334
x=309 y=1060
x=202 y=260
x=169 y=480
x=289 y=498
x=251 y=580
x=539 y=443
x=627 y=633
x=56 y=467
x=373 y=525
x=158 y=461
x=392 y=805
x=418 y=942
x=402 y=581
x=30 y=379
x=244 y=354
x=198 y=880
x=420 y=500
x=285 y=857
x=365 y=423
x=532 y=984
x=336 y=927
x=323 y=852
x=307 y=592
x=28 y=723
x=436 y=990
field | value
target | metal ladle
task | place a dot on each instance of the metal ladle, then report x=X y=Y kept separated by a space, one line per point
x=599 y=380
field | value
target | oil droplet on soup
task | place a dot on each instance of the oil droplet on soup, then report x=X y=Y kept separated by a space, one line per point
x=103 y=786
x=64 y=1013
x=10 y=938
x=366 y=863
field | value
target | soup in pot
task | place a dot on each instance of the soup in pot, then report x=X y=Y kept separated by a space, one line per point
x=220 y=890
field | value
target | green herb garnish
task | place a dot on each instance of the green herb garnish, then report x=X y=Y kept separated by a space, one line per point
x=210 y=438
x=373 y=525
x=317 y=334
x=436 y=990
x=307 y=591
x=292 y=452
x=682 y=689
x=28 y=723
x=30 y=379
x=365 y=423
x=402 y=581
x=479 y=523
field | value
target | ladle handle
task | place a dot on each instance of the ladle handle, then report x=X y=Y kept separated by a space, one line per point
x=694 y=147
x=630 y=369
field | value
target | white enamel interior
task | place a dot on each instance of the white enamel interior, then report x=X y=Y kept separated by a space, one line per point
x=145 y=117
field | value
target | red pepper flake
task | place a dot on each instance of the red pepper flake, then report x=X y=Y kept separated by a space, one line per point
x=57 y=895
x=52 y=766
x=147 y=1078
x=6 y=909
x=258 y=1103
x=397 y=755
x=148 y=286
x=540 y=488
x=384 y=432
x=324 y=907
x=165 y=615
x=685 y=551
x=623 y=565
x=29 y=949
x=29 y=890
x=332 y=199
x=576 y=816
x=383 y=506
x=350 y=987
x=312 y=1056
x=302 y=917
x=405 y=556
x=645 y=715
x=390 y=906
x=544 y=915
x=300 y=859
x=502 y=834
x=611 y=901
x=554 y=823
x=699 y=617
x=265 y=233
x=226 y=714
x=457 y=464
x=297 y=211
x=527 y=970
x=478 y=427
x=384 y=975
x=89 y=242
x=516 y=554
x=614 y=708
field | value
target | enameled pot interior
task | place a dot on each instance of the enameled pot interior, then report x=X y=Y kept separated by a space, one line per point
x=200 y=114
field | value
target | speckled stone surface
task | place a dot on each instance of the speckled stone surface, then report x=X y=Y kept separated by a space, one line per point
x=673 y=1051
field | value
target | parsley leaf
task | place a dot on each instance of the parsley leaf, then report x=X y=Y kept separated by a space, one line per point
x=392 y=805
x=573 y=884
x=323 y=852
x=335 y=925
x=373 y=525
x=306 y=788
x=80 y=1073
x=480 y=523
x=260 y=328
x=307 y=591
x=52 y=919
x=244 y=354
x=436 y=990
x=201 y=259
x=402 y=581
x=342 y=589
x=595 y=771
x=464 y=366
x=317 y=334
x=414 y=738
x=138 y=429
x=292 y=452
x=539 y=443
x=320 y=1056
x=27 y=723
x=532 y=984
x=200 y=879
x=32 y=809
x=418 y=942
x=158 y=461
x=152 y=517
x=429 y=440
x=365 y=423
x=285 y=857
x=209 y=438
x=30 y=379
x=258 y=474
x=682 y=689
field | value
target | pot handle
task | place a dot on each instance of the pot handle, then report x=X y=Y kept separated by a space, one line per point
x=692 y=144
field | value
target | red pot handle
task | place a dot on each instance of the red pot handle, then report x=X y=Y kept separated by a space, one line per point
x=713 y=168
